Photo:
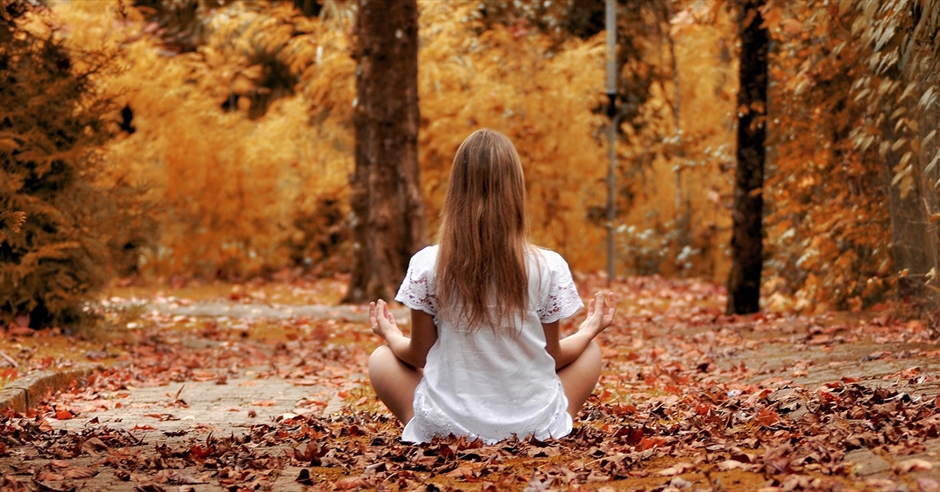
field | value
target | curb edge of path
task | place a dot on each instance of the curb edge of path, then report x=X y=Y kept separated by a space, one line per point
x=24 y=393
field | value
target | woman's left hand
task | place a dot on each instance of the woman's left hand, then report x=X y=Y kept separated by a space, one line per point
x=600 y=314
x=382 y=320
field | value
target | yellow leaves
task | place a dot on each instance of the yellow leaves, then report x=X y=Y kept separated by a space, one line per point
x=929 y=138
x=542 y=99
x=683 y=19
x=903 y=177
x=242 y=84
x=908 y=91
x=898 y=144
x=933 y=165
x=928 y=98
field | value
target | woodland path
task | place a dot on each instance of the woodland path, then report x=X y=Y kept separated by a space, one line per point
x=247 y=394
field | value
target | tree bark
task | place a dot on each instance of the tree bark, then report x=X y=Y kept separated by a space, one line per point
x=746 y=242
x=909 y=210
x=388 y=215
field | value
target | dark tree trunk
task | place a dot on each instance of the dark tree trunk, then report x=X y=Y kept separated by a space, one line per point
x=909 y=209
x=746 y=241
x=388 y=215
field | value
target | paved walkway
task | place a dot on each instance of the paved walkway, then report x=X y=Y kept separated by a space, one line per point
x=181 y=414
x=178 y=415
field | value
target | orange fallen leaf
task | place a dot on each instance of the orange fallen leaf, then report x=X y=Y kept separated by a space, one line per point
x=47 y=476
x=81 y=472
x=767 y=416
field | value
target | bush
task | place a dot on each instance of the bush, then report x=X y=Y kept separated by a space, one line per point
x=52 y=120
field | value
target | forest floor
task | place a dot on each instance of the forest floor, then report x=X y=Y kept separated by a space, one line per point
x=262 y=387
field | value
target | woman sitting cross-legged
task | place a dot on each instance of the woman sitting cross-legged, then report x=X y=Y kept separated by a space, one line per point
x=485 y=359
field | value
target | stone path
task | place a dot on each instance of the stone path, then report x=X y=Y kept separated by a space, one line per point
x=169 y=415
x=162 y=415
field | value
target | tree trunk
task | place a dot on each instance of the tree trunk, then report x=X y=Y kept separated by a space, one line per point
x=388 y=215
x=909 y=209
x=746 y=242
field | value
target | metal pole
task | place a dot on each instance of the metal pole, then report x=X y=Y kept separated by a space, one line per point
x=611 y=26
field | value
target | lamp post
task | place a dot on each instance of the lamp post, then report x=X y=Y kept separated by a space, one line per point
x=611 y=26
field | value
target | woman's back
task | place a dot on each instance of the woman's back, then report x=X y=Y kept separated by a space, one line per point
x=491 y=382
x=485 y=358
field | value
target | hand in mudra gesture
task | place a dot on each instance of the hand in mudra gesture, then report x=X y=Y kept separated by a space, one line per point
x=382 y=321
x=600 y=314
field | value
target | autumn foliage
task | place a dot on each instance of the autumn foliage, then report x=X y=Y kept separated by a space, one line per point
x=230 y=127
x=54 y=209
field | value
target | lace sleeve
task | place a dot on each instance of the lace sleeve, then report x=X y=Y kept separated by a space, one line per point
x=562 y=299
x=417 y=290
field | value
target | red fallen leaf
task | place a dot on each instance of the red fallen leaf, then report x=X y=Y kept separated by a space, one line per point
x=81 y=472
x=63 y=415
x=767 y=416
x=847 y=380
x=263 y=403
x=144 y=427
x=651 y=442
x=200 y=452
x=59 y=463
x=44 y=426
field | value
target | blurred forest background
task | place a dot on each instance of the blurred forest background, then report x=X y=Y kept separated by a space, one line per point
x=213 y=139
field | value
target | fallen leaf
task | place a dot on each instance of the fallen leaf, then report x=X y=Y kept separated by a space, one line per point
x=81 y=472
x=912 y=465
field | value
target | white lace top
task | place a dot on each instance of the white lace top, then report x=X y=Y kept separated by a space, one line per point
x=487 y=384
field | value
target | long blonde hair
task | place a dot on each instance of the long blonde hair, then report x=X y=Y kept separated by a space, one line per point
x=483 y=233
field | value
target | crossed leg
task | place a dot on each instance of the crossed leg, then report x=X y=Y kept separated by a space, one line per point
x=395 y=382
x=580 y=377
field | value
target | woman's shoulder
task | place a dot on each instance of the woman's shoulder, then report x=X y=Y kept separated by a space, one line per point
x=549 y=259
x=425 y=259
x=427 y=252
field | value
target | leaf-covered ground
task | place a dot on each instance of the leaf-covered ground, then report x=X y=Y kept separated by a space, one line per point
x=258 y=389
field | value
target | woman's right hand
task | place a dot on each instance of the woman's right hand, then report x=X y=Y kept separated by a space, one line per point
x=600 y=314
x=382 y=321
